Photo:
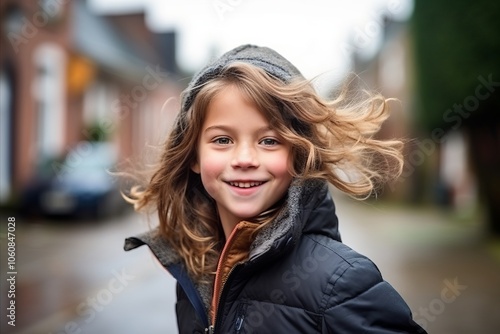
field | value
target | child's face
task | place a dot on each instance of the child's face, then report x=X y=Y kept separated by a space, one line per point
x=243 y=163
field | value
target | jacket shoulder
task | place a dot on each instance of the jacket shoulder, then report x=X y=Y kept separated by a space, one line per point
x=351 y=272
x=357 y=299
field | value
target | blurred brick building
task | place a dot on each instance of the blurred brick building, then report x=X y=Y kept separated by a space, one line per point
x=67 y=75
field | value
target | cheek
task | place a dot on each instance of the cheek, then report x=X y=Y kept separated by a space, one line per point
x=279 y=165
x=211 y=168
x=279 y=168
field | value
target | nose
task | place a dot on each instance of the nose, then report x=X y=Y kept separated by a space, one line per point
x=245 y=156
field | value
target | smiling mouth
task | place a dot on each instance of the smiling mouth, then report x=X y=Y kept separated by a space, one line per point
x=245 y=184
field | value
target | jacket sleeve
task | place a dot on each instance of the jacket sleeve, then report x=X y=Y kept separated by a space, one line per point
x=362 y=302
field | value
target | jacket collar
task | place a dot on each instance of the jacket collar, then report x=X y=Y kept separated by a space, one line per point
x=308 y=209
x=299 y=216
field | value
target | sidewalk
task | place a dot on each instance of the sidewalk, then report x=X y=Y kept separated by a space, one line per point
x=446 y=270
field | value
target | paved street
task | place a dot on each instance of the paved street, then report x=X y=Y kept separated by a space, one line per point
x=74 y=277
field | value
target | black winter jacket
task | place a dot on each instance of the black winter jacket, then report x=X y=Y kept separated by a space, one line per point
x=299 y=278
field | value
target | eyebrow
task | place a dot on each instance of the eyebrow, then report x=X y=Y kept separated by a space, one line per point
x=228 y=128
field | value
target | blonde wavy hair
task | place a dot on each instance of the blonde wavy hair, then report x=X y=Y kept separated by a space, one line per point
x=331 y=140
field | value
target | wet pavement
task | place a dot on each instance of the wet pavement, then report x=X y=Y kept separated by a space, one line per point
x=74 y=277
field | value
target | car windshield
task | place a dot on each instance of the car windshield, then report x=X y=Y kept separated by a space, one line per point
x=94 y=158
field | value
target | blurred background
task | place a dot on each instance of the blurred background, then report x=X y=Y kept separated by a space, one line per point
x=88 y=85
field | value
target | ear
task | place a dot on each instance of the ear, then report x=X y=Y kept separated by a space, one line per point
x=195 y=167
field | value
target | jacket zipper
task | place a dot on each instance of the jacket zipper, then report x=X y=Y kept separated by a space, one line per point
x=211 y=329
x=238 y=230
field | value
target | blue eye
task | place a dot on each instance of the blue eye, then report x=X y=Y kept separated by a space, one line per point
x=269 y=142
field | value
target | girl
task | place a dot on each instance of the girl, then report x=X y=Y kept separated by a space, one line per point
x=247 y=224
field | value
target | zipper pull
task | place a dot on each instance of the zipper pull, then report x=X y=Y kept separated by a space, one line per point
x=209 y=330
x=239 y=323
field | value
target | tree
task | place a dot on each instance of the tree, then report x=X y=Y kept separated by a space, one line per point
x=457 y=55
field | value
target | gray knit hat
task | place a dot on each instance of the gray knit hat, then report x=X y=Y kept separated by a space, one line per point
x=265 y=58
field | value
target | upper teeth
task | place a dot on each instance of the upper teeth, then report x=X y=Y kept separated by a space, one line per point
x=245 y=184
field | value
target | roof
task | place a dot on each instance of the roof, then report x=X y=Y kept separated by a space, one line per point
x=97 y=39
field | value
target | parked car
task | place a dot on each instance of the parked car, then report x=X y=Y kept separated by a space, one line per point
x=78 y=185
